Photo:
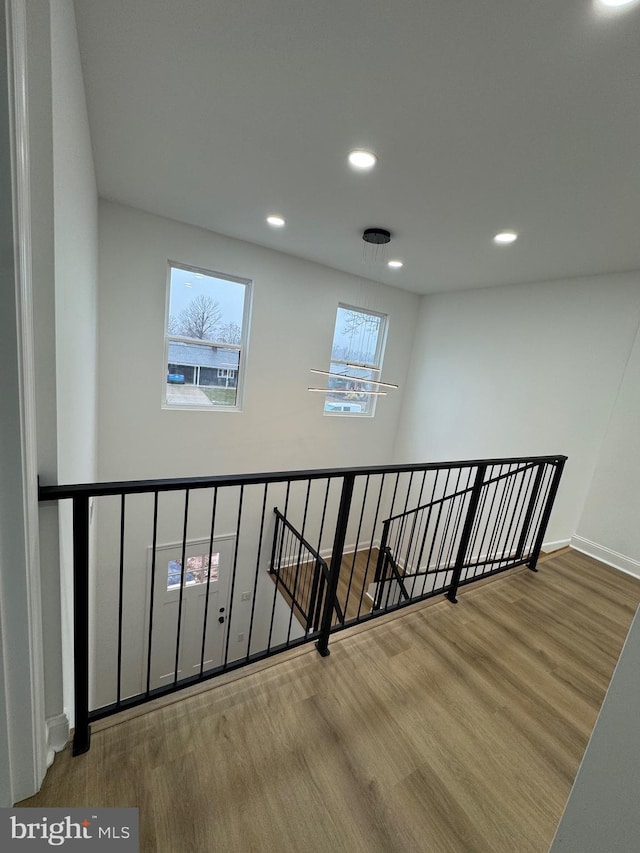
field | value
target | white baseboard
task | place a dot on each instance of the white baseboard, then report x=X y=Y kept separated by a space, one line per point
x=57 y=735
x=549 y=547
x=350 y=548
x=606 y=555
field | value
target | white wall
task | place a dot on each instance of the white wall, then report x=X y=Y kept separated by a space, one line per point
x=520 y=370
x=76 y=254
x=76 y=258
x=294 y=309
x=282 y=426
x=609 y=528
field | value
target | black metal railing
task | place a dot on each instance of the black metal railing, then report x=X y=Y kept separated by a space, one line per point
x=492 y=519
x=174 y=579
x=300 y=573
x=390 y=587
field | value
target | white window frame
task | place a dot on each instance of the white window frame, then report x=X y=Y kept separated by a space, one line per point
x=375 y=367
x=242 y=347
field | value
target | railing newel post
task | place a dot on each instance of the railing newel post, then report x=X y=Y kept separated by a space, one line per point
x=330 y=601
x=82 y=730
x=381 y=549
x=546 y=514
x=466 y=532
x=530 y=510
x=313 y=598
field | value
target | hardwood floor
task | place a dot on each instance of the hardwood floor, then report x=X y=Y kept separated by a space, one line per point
x=357 y=571
x=452 y=728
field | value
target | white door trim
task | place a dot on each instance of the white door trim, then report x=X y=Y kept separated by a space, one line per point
x=33 y=766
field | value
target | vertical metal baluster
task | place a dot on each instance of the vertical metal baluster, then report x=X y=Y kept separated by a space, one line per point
x=546 y=514
x=530 y=510
x=541 y=502
x=294 y=592
x=437 y=569
x=182 y=574
x=304 y=565
x=257 y=573
x=289 y=561
x=313 y=597
x=458 y=515
x=493 y=539
x=401 y=532
x=449 y=512
x=324 y=513
x=387 y=579
x=277 y=580
x=477 y=525
x=466 y=532
x=512 y=549
x=517 y=477
x=120 y=598
x=336 y=558
x=395 y=489
x=233 y=576
x=417 y=517
x=355 y=550
x=373 y=530
x=275 y=586
x=424 y=539
x=153 y=587
x=319 y=581
x=205 y=619
x=276 y=547
x=82 y=731
x=510 y=488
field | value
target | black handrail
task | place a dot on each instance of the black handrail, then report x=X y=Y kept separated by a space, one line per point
x=136 y=487
x=511 y=555
x=466 y=491
x=484 y=516
x=311 y=609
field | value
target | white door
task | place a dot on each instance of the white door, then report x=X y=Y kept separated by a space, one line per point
x=198 y=584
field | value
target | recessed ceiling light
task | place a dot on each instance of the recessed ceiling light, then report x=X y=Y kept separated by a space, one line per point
x=505 y=237
x=395 y=264
x=617 y=2
x=361 y=159
x=276 y=221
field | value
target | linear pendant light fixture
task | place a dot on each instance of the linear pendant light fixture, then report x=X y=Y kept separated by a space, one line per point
x=377 y=382
x=347 y=391
x=354 y=378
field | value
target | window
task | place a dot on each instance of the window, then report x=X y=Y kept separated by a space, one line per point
x=356 y=355
x=197 y=571
x=205 y=339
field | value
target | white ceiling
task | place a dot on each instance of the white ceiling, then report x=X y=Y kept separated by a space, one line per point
x=484 y=114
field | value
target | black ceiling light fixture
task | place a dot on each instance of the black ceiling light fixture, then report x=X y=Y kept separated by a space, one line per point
x=379 y=236
x=375 y=243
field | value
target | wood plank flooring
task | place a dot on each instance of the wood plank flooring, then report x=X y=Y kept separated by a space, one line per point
x=357 y=571
x=450 y=729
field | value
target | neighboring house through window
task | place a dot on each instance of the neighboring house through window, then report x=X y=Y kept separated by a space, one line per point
x=205 y=338
x=356 y=356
